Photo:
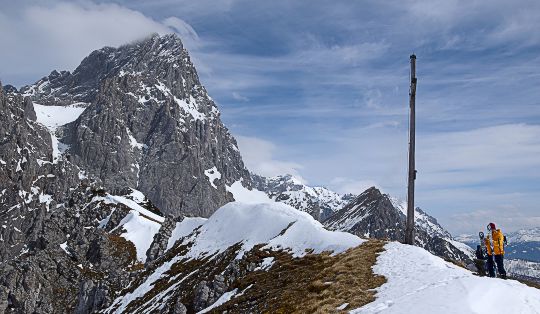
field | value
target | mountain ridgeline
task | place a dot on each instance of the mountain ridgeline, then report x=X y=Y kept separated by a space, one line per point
x=377 y=215
x=371 y=214
x=114 y=189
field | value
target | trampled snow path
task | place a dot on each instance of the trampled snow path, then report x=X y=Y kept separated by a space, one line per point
x=419 y=282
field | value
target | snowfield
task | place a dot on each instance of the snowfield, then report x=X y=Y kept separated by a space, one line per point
x=419 y=282
x=184 y=228
x=54 y=116
x=244 y=195
x=278 y=225
x=140 y=231
x=140 y=224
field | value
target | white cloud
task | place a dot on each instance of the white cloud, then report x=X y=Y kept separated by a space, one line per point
x=481 y=155
x=347 y=185
x=57 y=36
x=239 y=97
x=258 y=155
x=506 y=218
x=189 y=36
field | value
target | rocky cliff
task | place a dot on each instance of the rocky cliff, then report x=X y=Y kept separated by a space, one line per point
x=149 y=125
x=75 y=231
x=376 y=215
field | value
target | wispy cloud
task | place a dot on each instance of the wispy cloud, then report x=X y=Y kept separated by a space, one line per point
x=237 y=96
x=57 y=35
x=259 y=156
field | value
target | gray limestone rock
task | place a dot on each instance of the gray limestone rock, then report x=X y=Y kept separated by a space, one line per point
x=151 y=126
x=318 y=201
x=179 y=308
x=374 y=215
x=201 y=296
x=161 y=239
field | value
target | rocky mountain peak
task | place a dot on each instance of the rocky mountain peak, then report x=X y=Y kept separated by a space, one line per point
x=9 y=88
x=148 y=124
x=318 y=201
x=154 y=56
x=377 y=215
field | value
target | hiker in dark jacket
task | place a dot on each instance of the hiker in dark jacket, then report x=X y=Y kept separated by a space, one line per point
x=489 y=251
x=480 y=261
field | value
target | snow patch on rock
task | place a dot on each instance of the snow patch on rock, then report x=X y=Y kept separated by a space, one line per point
x=212 y=175
x=140 y=231
x=54 y=116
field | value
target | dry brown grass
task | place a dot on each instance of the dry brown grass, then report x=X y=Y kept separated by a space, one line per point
x=122 y=248
x=529 y=283
x=316 y=283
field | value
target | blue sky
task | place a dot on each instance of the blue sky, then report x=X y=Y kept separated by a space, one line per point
x=320 y=88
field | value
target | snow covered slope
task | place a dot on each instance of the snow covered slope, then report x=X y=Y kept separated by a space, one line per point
x=139 y=225
x=318 y=201
x=55 y=116
x=232 y=231
x=277 y=225
x=376 y=215
x=245 y=195
x=419 y=282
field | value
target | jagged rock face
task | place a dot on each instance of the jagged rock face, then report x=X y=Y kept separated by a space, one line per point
x=25 y=146
x=375 y=215
x=81 y=86
x=54 y=257
x=10 y=89
x=148 y=124
x=151 y=125
x=159 y=244
x=319 y=202
x=371 y=214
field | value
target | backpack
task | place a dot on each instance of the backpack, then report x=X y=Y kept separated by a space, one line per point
x=479 y=252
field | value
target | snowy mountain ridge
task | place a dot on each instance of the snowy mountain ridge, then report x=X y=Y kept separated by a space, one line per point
x=436 y=286
x=232 y=233
x=377 y=215
x=421 y=219
x=233 y=236
x=370 y=214
x=318 y=201
x=524 y=235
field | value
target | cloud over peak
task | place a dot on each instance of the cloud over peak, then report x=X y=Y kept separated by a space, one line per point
x=57 y=35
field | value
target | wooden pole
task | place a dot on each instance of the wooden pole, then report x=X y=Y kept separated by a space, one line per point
x=409 y=231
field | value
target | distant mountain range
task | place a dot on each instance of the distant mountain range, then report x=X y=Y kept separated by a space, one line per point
x=522 y=244
x=320 y=202
x=371 y=214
